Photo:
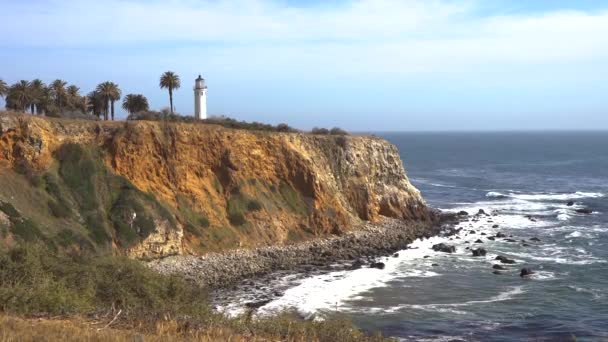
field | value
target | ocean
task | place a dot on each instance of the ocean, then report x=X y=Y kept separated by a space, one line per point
x=524 y=181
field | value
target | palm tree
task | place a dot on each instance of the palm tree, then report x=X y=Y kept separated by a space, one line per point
x=134 y=103
x=95 y=103
x=170 y=80
x=37 y=92
x=110 y=93
x=115 y=96
x=58 y=87
x=3 y=89
x=73 y=97
x=18 y=97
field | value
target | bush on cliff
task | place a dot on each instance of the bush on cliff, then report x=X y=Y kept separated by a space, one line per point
x=221 y=121
x=35 y=281
x=325 y=131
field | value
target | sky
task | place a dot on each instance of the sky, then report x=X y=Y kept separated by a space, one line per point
x=363 y=65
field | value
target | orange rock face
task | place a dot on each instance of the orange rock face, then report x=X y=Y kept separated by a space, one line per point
x=263 y=188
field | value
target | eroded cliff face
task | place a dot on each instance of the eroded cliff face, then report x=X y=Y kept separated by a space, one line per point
x=215 y=188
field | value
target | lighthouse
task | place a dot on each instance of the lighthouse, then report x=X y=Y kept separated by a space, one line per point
x=200 y=98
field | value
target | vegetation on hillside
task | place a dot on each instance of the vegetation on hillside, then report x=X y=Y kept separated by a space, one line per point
x=59 y=100
x=123 y=293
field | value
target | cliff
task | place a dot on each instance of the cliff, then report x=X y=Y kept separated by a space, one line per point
x=152 y=189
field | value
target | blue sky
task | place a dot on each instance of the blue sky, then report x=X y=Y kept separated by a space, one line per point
x=361 y=65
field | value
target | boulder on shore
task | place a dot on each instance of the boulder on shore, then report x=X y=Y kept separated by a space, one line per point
x=504 y=259
x=378 y=265
x=479 y=252
x=463 y=213
x=442 y=247
x=584 y=211
x=535 y=239
x=525 y=272
x=478 y=241
x=501 y=235
x=498 y=267
x=481 y=212
x=570 y=203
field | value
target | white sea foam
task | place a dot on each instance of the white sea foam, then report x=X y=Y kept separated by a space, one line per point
x=597 y=294
x=329 y=291
x=543 y=275
x=562 y=258
x=546 y=196
x=511 y=293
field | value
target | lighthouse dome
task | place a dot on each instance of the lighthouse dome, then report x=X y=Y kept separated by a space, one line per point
x=200 y=83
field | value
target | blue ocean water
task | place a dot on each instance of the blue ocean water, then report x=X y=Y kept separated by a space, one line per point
x=524 y=181
x=512 y=175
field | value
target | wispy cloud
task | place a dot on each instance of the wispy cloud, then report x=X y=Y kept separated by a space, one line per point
x=418 y=33
x=443 y=53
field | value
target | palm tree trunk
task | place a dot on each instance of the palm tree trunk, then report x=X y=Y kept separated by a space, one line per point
x=112 y=102
x=171 y=99
x=105 y=110
x=32 y=108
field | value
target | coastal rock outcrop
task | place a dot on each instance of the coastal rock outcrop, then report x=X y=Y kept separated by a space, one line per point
x=158 y=189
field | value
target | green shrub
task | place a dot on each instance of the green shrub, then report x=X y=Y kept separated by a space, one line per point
x=236 y=218
x=321 y=131
x=66 y=238
x=59 y=209
x=34 y=280
x=337 y=131
x=9 y=210
x=26 y=229
x=254 y=205
x=294 y=200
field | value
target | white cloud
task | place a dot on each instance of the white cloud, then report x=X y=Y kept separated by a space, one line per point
x=365 y=35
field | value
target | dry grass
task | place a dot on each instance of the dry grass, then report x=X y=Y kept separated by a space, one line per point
x=14 y=329
x=19 y=329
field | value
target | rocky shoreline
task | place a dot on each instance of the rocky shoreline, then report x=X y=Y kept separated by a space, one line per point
x=360 y=246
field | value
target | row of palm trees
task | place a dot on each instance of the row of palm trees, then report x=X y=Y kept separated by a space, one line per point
x=58 y=97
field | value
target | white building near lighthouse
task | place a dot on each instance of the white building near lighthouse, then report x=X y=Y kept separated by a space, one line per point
x=200 y=98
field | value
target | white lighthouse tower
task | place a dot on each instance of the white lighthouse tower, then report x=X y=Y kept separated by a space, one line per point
x=200 y=98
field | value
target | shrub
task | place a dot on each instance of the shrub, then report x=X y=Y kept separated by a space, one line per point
x=9 y=210
x=26 y=229
x=59 y=209
x=338 y=131
x=236 y=218
x=321 y=131
x=221 y=121
x=254 y=205
x=34 y=280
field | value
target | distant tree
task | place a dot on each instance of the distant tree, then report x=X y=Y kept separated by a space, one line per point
x=38 y=91
x=134 y=103
x=318 y=130
x=95 y=103
x=338 y=131
x=59 y=93
x=169 y=80
x=3 y=89
x=19 y=96
x=110 y=92
x=115 y=96
x=74 y=100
